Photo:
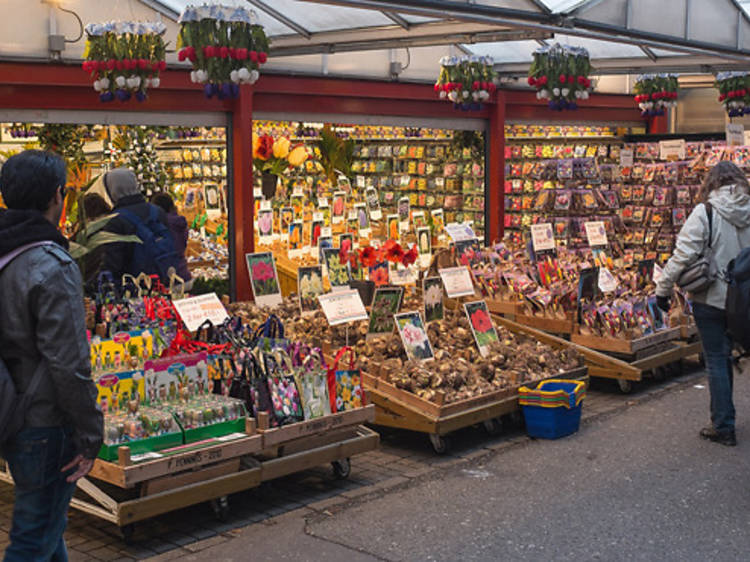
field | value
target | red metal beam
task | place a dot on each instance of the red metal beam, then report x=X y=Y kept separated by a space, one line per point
x=242 y=195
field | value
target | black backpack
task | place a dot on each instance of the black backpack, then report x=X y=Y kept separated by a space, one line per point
x=738 y=300
x=157 y=253
x=13 y=405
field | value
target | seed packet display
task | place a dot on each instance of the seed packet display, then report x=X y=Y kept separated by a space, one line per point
x=338 y=272
x=363 y=220
x=481 y=325
x=338 y=214
x=393 y=227
x=297 y=201
x=323 y=243
x=414 y=337
x=286 y=216
x=373 y=204
x=424 y=246
x=264 y=279
x=309 y=286
x=432 y=289
x=385 y=304
x=404 y=210
x=295 y=239
x=316 y=229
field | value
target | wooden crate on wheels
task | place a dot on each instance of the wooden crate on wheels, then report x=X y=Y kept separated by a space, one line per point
x=402 y=409
x=516 y=311
x=629 y=360
x=126 y=492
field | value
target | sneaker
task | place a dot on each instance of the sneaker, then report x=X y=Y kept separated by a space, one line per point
x=727 y=438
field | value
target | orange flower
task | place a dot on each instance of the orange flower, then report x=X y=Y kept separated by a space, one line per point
x=264 y=147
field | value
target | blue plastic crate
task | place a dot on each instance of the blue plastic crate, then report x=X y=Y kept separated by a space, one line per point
x=553 y=409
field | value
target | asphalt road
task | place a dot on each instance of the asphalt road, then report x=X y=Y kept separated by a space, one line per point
x=637 y=485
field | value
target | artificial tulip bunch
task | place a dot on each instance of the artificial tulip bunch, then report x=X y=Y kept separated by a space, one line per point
x=734 y=92
x=124 y=58
x=656 y=93
x=276 y=156
x=466 y=81
x=225 y=46
x=561 y=75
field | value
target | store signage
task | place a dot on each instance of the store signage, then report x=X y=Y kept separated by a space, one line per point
x=735 y=134
x=542 y=238
x=457 y=281
x=596 y=234
x=343 y=307
x=626 y=158
x=672 y=149
x=460 y=231
x=196 y=310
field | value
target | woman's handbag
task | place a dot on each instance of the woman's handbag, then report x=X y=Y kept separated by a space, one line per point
x=701 y=274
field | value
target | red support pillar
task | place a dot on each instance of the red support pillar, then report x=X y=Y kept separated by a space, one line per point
x=242 y=199
x=496 y=169
x=658 y=125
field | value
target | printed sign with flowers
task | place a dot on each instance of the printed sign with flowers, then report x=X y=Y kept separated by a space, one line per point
x=124 y=58
x=561 y=75
x=413 y=335
x=481 y=325
x=225 y=45
x=309 y=286
x=263 y=278
x=433 y=299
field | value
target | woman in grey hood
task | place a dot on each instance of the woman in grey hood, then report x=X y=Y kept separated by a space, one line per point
x=727 y=191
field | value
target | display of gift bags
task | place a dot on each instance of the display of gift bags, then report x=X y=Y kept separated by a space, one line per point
x=311 y=377
x=345 y=385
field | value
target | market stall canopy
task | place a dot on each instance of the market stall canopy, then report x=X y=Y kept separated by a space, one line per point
x=362 y=38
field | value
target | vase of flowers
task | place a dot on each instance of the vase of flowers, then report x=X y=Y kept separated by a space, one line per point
x=734 y=92
x=656 y=93
x=560 y=75
x=124 y=58
x=225 y=45
x=273 y=157
x=466 y=81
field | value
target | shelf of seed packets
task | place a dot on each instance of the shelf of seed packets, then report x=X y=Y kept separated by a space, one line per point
x=552 y=174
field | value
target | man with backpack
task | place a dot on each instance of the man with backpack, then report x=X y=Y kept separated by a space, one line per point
x=157 y=253
x=50 y=424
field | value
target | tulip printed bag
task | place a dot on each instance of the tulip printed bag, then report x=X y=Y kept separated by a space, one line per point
x=270 y=335
x=312 y=382
x=345 y=386
x=285 y=399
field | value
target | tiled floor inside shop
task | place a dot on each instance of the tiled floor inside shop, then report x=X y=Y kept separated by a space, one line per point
x=403 y=456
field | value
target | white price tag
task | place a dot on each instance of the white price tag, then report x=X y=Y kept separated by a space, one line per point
x=457 y=281
x=596 y=233
x=735 y=134
x=672 y=149
x=196 y=310
x=626 y=158
x=343 y=307
x=460 y=231
x=542 y=237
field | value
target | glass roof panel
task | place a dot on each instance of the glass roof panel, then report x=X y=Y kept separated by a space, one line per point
x=322 y=17
x=506 y=51
x=600 y=49
x=272 y=26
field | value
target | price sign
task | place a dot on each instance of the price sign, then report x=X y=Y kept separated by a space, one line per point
x=626 y=158
x=607 y=282
x=343 y=307
x=735 y=134
x=407 y=276
x=542 y=238
x=457 y=281
x=459 y=231
x=672 y=149
x=596 y=234
x=196 y=310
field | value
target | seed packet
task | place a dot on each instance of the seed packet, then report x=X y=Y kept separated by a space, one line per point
x=562 y=227
x=649 y=172
x=638 y=171
x=587 y=201
x=638 y=215
x=642 y=317
x=565 y=169
x=679 y=216
x=639 y=236
x=662 y=196
x=626 y=193
x=639 y=193
x=562 y=200
x=682 y=196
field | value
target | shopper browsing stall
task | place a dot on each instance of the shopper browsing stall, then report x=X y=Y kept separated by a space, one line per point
x=44 y=346
x=717 y=229
x=155 y=254
x=178 y=226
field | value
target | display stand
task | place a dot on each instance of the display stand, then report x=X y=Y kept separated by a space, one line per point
x=401 y=409
x=124 y=492
x=628 y=361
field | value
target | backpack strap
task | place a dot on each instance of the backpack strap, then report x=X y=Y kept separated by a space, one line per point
x=710 y=215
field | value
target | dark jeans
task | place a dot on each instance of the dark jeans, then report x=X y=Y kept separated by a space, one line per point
x=35 y=457
x=717 y=350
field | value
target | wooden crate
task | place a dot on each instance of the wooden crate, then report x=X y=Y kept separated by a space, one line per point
x=275 y=436
x=625 y=346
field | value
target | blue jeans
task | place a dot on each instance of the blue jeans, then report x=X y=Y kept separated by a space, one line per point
x=717 y=350
x=42 y=496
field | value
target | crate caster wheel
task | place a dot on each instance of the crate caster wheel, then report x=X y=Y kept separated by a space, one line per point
x=342 y=469
x=660 y=374
x=439 y=443
x=127 y=532
x=221 y=508
x=493 y=426
x=626 y=387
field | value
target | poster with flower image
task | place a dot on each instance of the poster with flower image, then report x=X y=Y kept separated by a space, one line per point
x=404 y=214
x=385 y=304
x=323 y=243
x=373 y=203
x=481 y=325
x=295 y=239
x=286 y=216
x=468 y=252
x=264 y=279
x=315 y=232
x=265 y=226
x=309 y=286
x=363 y=220
x=212 y=200
x=414 y=337
x=438 y=223
x=379 y=273
x=297 y=201
x=432 y=289
x=338 y=214
x=424 y=246
x=338 y=270
x=393 y=232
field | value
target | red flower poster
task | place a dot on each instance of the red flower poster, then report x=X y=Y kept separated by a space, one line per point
x=481 y=325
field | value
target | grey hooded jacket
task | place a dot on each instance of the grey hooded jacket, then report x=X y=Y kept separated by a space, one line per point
x=44 y=320
x=731 y=233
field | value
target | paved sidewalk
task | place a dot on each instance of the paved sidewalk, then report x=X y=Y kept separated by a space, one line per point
x=405 y=459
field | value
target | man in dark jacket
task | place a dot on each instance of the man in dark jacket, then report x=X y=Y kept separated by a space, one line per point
x=123 y=190
x=42 y=326
x=178 y=226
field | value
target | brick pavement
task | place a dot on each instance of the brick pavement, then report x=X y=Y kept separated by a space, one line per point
x=403 y=456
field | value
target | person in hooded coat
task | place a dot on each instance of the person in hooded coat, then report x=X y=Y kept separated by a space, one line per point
x=726 y=189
